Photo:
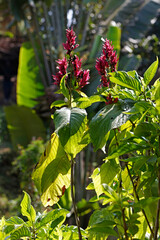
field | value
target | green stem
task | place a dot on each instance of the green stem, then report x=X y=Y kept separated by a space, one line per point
x=124 y=224
x=73 y=199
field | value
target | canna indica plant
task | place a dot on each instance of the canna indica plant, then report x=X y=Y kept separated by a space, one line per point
x=126 y=129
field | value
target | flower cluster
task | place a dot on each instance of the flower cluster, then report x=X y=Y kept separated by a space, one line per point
x=106 y=63
x=110 y=100
x=63 y=64
x=80 y=76
x=70 y=44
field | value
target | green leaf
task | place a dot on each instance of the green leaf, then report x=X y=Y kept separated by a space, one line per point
x=63 y=87
x=126 y=79
x=23 y=124
x=14 y=220
x=58 y=103
x=101 y=233
x=150 y=72
x=51 y=216
x=71 y=232
x=101 y=225
x=52 y=173
x=156 y=90
x=145 y=129
x=114 y=35
x=105 y=174
x=85 y=102
x=70 y=126
x=22 y=231
x=29 y=84
x=27 y=209
x=99 y=216
x=130 y=145
x=110 y=117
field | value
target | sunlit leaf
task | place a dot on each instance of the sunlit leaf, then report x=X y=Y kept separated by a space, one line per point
x=104 y=174
x=29 y=83
x=110 y=117
x=52 y=216
x=23 y=124
x=125 y=79
x=22 y=231
x=27 y=209
x=70 y=126
x=150 y=72
x=52 y=173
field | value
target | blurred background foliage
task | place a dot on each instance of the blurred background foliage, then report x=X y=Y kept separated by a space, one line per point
x=31 y=37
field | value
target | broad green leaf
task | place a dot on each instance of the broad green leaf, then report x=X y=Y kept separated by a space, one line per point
x=70 y=126
x=23 y=124
x=143 y=203
x=14 y=220
x=128 y=146
x=124 y=79
x=27 y=209
x=125 y=179
x=110 y=117
x=101 y=225
x=145 y=129
x=101 y=233
x=71 y=232
x=29 y=83
x=99 y=216
x=156 y=90
x=105 y=174
x=85 y=102
x=51 y=216
x=150 y=72
x=63 y=87
x=52 y=173
x=58 y=103
x=142 y=228
x=20 y=232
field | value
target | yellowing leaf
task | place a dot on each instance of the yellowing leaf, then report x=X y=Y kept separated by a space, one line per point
x=52 y=173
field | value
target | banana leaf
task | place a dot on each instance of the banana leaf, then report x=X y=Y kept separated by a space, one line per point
x=29 y=84
x=24 y=125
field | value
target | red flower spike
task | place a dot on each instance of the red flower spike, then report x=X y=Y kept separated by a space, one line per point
x=63 y=64
x=77 y=66
x=84 y=78
x=106 y=63
x=70 y=44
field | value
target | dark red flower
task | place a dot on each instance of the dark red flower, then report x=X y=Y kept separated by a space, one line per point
x=110 y=100
x=70 y=44
x=101 y=65
x=106 y=62
x=63 y=64
x=84 y=78
x=77 y=65
x=57 y=78
x=107 y=49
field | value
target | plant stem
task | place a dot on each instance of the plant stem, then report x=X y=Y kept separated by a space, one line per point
x=136 y=194
x=125 y=225
x=73 y=199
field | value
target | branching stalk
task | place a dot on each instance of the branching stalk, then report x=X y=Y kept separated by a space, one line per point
x=124 y=224
x=73 y=199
